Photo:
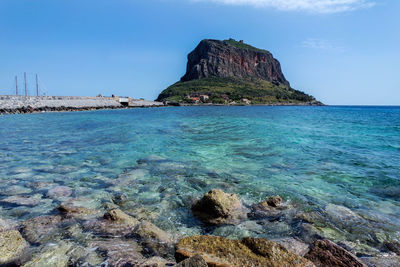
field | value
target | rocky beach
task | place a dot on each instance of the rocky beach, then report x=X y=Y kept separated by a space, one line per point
x=75 y=235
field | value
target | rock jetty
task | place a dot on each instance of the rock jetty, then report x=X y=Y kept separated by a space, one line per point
x=10 y=104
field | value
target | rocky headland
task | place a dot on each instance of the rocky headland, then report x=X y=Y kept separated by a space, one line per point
x=232 y=72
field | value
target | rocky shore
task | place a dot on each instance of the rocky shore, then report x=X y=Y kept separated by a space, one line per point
x=74 y=235
x=30 y=104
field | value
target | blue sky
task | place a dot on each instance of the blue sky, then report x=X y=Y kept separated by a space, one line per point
x=340 y=51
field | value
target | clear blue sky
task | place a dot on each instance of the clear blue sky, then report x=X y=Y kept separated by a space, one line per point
x=342 y=52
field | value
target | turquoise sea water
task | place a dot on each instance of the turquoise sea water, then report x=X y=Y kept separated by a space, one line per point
x=341 y=163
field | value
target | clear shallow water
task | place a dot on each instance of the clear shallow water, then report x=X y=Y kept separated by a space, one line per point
x=333 y=161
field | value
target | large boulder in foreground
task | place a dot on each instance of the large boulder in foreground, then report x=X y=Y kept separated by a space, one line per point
x=12 y=246
x=217 y=207
x=220 y=251
x=326 y=253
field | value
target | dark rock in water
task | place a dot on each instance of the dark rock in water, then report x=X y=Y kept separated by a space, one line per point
x=195 y=261
x=387 y=192
x=39 y=229
x=274 y=201
x=219 y=251
x=119 y=198
x=217 y=207
x=119 y=252
x=393 y=246
x=155 y=241
x=326 y=253
x=12 y=246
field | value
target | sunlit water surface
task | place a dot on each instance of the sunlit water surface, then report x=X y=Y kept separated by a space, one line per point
x=320 y=159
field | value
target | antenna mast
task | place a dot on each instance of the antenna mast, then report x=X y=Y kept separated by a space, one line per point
x=16 y=85
x=26 y=92
x=37 y=86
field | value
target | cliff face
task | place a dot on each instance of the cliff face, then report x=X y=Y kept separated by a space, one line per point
x=224 y=59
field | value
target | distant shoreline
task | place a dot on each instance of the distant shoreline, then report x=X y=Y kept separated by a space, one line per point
x=46 y=109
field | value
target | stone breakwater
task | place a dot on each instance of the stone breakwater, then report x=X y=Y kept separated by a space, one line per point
x=21 y=104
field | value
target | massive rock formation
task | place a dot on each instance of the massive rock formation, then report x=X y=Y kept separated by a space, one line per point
x=214 y=58
x=232 y=72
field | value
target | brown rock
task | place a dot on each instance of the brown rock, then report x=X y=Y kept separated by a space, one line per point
x=12 y=246
x=326 y=253
x=217 y=207
x=222 y=252
x=274 y=201
x=195 y=261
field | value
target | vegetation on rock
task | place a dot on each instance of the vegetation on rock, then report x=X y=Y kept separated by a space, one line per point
x=228 y=90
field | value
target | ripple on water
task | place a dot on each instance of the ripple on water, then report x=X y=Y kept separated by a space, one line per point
x=332 y=163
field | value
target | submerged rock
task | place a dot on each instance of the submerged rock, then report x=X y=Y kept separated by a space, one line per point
x=219 y=251
x=22 y=200
x=156 y=241
x=68 y=209
x=83 y=256
x=51 y=255
x=118 y=216
x=119 y=252
x=217 y=207
x=294 y=245
x=341 y=215
x=59 y=192
x=6 y=225
x=119 y=198
x=15 y=190
x=39 y=229
x=326 y=253
x=114 y=222
x=12 y=246
x=195 y=261
x=382 y=261
x=157 y=262
x=270 y=209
